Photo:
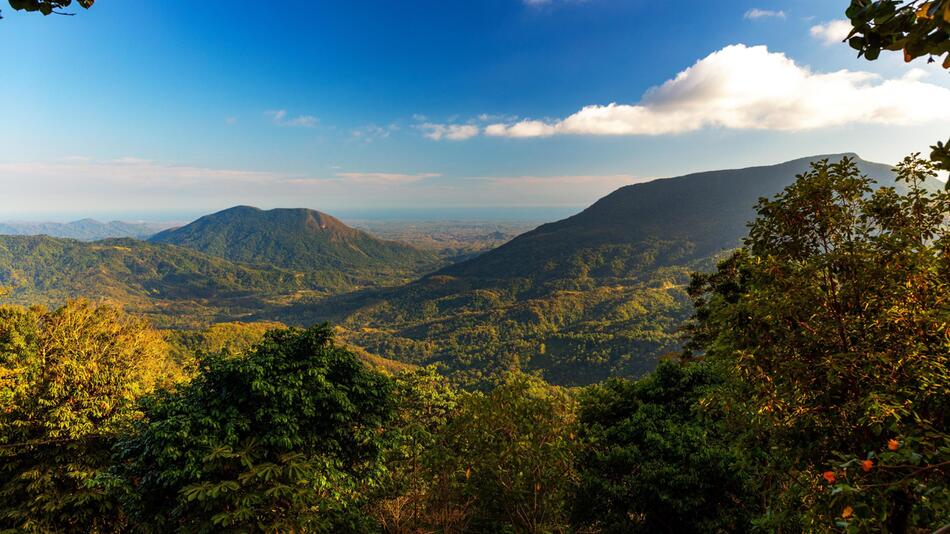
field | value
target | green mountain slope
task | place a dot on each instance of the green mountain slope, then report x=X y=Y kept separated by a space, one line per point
x=598 y=294
x=664 y=222
x=174 y=285
x=298 y=239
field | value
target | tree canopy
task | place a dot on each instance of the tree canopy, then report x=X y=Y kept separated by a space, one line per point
x=283 y=438
x=914 y=27
x=832 y=323
x=69 y=384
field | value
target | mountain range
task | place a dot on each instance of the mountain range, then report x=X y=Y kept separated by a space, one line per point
x=83 y=229
x=598 y=294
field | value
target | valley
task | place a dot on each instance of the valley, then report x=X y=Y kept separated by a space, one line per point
x=599 y=294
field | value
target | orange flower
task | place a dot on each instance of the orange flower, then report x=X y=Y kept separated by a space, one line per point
x=893 y=444
x=829 y=476
x=847 y=512
x=867 y=465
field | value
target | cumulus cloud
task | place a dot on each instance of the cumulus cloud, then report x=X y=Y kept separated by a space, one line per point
x=372 y=132
x=280 y=117
x=452 y=132
x=831 y=32
x=756 y=13
x=750 y=88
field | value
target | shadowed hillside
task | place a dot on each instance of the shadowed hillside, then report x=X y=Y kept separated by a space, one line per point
x=668 y=221
x=601 y=293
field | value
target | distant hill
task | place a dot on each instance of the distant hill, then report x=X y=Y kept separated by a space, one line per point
x=598 y=294
x=298 y=239
x=84 y=229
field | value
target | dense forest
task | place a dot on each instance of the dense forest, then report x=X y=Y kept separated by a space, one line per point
x=600 y=294
x=810 y=395
x=751 y=350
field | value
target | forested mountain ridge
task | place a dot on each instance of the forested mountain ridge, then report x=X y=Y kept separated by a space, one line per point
x=175 y=286
x=299 y=239
x=667 y=221
x=599 y=294
x=83 y=229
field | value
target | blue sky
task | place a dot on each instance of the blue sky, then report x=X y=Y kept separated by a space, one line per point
x=148 y=108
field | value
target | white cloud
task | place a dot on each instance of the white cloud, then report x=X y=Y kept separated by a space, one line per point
x=452 y=132
x=750 y=88
x=128 y=184
x=372 y=132
x=128 y=170
x=280 y=117
x=756 y=13
x=385 y=178
x=833 y=32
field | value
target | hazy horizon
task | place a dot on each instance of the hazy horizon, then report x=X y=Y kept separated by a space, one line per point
x=378 y=106
x=488 y=213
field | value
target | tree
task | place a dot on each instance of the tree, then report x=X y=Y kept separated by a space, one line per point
x=655 y=459
x=47 y=7
x=69 y=381
x=832 y=321
x=425 y=404
x=286 y=438
x=915 y=27
x=507 y=458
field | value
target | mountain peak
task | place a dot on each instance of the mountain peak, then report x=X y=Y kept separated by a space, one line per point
x=297 y=238
x=698 y=215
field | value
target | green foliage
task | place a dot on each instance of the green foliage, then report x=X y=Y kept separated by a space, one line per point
x=425 y=403
x=656 y=460
x=917 y=28
x=476 y=329
x=175 y=286
x=190 y=346
x=940 y=156
x=832 y=321
x=47 y=7
x=506 y=459
x=287 y=437
x=69 y=380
